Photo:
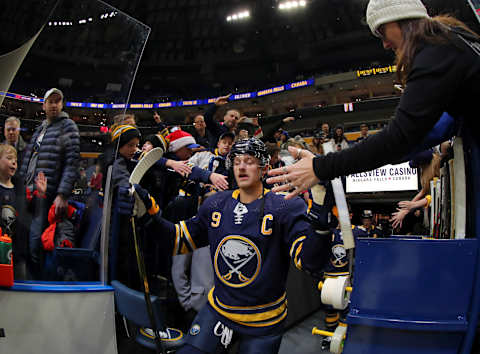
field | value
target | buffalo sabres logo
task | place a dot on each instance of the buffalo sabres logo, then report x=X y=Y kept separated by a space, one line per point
x=339 y=258
x=8 y=218
x=237 y=261
x=195 y=329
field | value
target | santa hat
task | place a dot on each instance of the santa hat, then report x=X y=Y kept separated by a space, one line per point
x=178 y=139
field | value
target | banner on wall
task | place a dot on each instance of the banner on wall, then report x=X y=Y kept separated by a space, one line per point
x=389 y=178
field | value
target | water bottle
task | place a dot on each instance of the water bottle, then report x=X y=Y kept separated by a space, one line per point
x=5 y=250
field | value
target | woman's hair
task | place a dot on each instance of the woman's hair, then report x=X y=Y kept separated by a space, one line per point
x=429 y=171
x=338 y=138
x=419 y=31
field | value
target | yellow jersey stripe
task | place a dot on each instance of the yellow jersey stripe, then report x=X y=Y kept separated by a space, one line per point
x=247 y=318
x=187 y=235
x=257 y=307
x=266 y=324
x=177 y=240
x=298 y=264
x=236 y=193
x=301 y=238
x=184 y=249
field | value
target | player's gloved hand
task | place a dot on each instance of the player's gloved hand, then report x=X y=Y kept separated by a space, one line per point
x=150 y=203
x=125 y=201
x=320 y=215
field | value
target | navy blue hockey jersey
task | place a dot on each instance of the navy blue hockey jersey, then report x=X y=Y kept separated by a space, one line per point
x=250 y=252
x=373 y=231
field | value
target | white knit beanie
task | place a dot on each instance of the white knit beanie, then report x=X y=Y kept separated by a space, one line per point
x=380 y=12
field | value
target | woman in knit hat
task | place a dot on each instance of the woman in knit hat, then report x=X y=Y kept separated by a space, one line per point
x=437 y=61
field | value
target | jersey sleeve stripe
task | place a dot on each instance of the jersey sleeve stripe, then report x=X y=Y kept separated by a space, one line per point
x=176 y=245
x=187 y=235
x=294 y=244
x=296 y=260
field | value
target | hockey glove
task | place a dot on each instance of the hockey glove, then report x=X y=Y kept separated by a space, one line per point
x=150 y=203
x=125 y=201
x=320 y=214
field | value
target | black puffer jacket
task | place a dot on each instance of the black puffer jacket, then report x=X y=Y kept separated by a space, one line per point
x=443 y=78
x=59 y=155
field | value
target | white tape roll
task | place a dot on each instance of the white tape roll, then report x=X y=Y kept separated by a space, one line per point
x=334 y=292
x=336 y=344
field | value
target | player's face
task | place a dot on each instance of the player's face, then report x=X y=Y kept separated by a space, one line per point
x=367 y=222
x=129 y=149
x=225 y=145
x=247 y=171
x=391 y=36
x=8 y=164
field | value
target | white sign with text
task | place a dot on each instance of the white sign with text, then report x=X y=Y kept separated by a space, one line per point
x=388 y=178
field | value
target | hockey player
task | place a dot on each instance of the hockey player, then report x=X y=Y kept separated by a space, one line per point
x=367 y=229
x=252 y=232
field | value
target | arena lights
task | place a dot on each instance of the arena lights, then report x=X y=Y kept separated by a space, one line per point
x=289 y=5
x=108 y=15
x=81 y=22
x=60 y=23
x=238 y=16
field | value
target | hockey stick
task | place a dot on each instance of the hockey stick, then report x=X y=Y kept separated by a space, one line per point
x=146 y=289
x=142 y=167
x=139 y=171
x=343 y=214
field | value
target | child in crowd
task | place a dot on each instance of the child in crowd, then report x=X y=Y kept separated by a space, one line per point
x=125 y=139
x=11 y=202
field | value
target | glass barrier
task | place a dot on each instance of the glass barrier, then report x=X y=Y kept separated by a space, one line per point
x=87 y=50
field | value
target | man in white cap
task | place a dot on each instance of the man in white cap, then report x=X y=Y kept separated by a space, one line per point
x=54 y=150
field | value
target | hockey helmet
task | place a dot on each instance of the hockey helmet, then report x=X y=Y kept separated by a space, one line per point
x=252 y=146
x=367 y=214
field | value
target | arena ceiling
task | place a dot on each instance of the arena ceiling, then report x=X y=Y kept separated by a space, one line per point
x=192 y=51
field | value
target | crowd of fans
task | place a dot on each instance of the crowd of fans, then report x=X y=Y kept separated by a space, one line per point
x=55 y=145
x=53 y=186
